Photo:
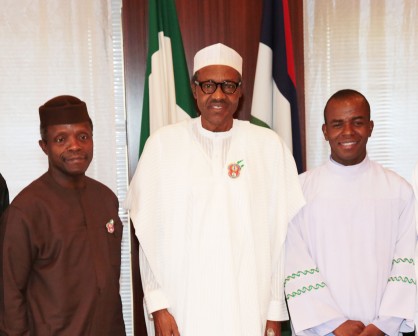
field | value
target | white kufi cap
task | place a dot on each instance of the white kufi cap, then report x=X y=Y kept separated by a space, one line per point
x=217 y=54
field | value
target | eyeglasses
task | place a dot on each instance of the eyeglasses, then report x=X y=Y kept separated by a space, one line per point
x=209 y=87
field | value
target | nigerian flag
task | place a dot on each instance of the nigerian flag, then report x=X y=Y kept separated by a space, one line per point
x=167 y=95
x=274 y=98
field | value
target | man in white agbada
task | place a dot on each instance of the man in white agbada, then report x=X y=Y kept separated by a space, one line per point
x=210 y=202
x=350 y=251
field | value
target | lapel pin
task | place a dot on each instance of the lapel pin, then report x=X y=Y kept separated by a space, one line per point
x=234 y=169
x=110 y=226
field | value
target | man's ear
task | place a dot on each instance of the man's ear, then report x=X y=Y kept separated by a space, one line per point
x=371 y=125
x=43 y=146
x=324 y=131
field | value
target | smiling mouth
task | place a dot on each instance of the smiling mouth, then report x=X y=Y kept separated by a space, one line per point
x=348 y=144
x=216 y=106
x=75 y=159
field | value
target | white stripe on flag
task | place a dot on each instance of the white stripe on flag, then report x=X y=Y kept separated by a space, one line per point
x=268 y=104
x=262 y=103
x=162 y=92
x=282 y=117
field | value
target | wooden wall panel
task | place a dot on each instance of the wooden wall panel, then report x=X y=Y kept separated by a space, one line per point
x=135 y=32
x=235 y=23
x=296 y=17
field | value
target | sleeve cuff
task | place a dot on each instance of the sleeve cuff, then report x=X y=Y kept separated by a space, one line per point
x=277 y=311
x=155 y=300
x=328 y=327
x=389 y=325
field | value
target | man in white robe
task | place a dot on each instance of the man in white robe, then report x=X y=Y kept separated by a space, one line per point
x=210 y=202
x=350 y=251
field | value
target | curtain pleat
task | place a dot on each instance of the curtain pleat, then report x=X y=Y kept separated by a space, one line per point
x=370 y=46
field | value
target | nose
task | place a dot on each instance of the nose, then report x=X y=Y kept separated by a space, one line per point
x=347 y=128
x=218 y=92
x=73 y=144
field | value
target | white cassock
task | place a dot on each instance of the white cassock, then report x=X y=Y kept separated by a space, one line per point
x=350 y=250
x=212 y=245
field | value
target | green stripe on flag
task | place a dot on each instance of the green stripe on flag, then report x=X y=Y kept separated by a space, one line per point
x=258 y=122
x=163 y=18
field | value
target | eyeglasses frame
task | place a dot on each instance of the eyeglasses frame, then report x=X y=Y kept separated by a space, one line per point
x=238 y=84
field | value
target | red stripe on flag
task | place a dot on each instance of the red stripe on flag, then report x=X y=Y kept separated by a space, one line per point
x=289 y=44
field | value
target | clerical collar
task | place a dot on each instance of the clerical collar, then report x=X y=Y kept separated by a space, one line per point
x=354 y=169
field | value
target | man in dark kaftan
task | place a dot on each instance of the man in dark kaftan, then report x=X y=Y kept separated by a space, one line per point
x=60 y=239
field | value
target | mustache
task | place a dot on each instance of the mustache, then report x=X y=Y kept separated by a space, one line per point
x=217 y=101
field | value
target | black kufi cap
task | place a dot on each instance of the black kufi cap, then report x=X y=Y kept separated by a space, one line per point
x=63 y=110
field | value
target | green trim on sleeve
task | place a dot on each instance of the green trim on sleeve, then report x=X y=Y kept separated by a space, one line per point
x=299 y=274
x=404 y=279
x=305 y=289
x=403 y=260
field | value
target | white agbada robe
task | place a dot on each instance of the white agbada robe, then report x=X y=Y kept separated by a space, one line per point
x=350 y=250
x=211 y=245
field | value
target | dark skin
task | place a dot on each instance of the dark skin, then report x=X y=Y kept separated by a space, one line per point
x=69 y=149
x=347 y=128
x=217 y=111
x=164 y=323
x=349 y=328
x=354 y=328
x=275 y=325
x=372 y=330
